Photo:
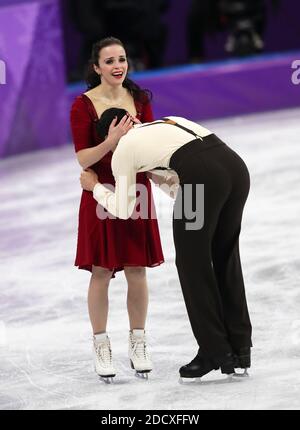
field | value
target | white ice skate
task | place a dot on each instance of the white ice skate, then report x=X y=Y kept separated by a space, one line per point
x=103 y=358
x=138 y=355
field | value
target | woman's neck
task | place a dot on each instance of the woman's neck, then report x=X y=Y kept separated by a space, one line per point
x=110 y=92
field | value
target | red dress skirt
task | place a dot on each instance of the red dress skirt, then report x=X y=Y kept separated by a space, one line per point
x=111 y=243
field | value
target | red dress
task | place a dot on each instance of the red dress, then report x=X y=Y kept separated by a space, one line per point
x=111 y=243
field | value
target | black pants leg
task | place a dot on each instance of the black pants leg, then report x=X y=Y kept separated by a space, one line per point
x=227 y=263
x=207 y=259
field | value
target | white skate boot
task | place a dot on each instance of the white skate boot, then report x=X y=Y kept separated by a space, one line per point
x=138 y=355
x=103 y=358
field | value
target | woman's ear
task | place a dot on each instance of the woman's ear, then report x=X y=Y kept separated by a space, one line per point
x=96 y=69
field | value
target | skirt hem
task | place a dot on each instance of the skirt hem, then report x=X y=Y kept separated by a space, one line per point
x=88 y=267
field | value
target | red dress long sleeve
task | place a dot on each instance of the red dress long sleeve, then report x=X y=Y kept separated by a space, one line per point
x=111 y=243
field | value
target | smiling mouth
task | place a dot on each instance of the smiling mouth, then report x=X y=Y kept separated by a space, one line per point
x=118 y=74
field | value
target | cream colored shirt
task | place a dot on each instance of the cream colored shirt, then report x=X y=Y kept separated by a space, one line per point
x=144 y=148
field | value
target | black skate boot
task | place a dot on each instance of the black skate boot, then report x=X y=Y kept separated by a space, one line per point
x=200 y=366
x=243 y=359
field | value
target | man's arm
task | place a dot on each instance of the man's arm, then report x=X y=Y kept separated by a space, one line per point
x=166 y=180
x=120 y=203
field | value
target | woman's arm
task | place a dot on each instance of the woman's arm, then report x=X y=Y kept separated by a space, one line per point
x=81 y=125
x=89 y=156
x=82 y=133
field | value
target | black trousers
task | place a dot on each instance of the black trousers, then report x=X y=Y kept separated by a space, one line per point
x=208 y=258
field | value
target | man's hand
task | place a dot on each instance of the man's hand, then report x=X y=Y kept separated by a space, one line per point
x=168 y=183
x=88 y=179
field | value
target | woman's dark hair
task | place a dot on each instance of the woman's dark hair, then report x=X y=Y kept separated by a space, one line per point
x=102 y=125
x=93 y=79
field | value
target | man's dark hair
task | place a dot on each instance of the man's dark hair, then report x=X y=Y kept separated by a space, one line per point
x=106 y=118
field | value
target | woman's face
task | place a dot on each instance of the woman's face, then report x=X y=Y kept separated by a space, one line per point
x=113 y=65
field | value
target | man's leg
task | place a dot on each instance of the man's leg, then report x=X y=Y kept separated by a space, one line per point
x=226 y=258
x=194 y=264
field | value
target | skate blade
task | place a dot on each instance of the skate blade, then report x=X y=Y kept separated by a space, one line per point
x=241 y=375
x=107 y=379
x=227 y=380
x=142 y=375
x=187 y=381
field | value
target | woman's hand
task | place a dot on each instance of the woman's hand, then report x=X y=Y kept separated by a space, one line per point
x=88 y=179
x=115 y=132
x=135 y=120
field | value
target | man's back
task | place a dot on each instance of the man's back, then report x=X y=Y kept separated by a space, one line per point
x=150 y=145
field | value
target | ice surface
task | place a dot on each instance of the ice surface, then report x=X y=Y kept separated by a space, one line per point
x=45 y=335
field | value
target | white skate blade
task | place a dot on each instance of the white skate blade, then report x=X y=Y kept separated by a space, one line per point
x=142 y=375
x=107 y=379
x=241 y=375
x=187 y=381
x=198 y=381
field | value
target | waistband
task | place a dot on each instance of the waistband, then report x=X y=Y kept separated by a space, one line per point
x=207 y=143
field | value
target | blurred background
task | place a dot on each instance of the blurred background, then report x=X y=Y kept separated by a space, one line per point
x=161 y=33
x=201 y=58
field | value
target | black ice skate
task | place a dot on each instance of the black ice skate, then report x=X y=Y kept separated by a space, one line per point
x=243 y=359
x=201 y=366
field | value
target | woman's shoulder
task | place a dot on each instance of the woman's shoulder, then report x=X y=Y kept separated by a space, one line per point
x=88 y=93
x=82 y=104
x=79 y=101
x=143 y=98
x=144 y=109
x=81 y=109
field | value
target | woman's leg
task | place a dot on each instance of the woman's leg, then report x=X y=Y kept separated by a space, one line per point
x=98 y=298
x=137 y=296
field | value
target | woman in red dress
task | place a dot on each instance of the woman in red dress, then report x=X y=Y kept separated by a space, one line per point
x=108 y=245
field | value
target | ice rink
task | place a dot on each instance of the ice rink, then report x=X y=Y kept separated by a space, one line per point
x=45 y=334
